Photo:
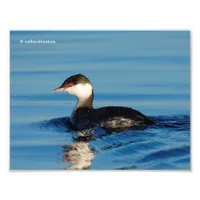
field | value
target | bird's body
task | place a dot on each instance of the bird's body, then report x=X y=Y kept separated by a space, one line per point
x=108 y=117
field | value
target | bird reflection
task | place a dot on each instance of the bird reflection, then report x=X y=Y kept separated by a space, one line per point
x=79 y=153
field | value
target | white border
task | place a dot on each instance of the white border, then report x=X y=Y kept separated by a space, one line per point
x=112 y=15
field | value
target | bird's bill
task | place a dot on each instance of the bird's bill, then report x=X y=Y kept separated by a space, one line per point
x=58 y=90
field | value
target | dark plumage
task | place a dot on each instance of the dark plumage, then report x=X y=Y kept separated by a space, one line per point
x=109 y=117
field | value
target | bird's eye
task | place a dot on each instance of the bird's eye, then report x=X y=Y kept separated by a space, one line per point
x=69 y=84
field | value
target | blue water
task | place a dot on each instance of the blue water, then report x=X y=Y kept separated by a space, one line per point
x=146 y=70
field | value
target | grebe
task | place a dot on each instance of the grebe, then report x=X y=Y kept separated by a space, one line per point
x=85 y=116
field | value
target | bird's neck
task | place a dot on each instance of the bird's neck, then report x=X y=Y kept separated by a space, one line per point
x=85 y=101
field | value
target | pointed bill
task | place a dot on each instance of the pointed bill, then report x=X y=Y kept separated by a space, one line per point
x=58 y=90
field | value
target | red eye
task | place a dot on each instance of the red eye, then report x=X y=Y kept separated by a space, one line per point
x=69 y=84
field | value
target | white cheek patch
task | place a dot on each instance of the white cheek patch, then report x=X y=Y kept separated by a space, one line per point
x=69 y=90
x=80 y=90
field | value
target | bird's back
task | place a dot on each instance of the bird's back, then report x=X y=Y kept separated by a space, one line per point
x=120 y=117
